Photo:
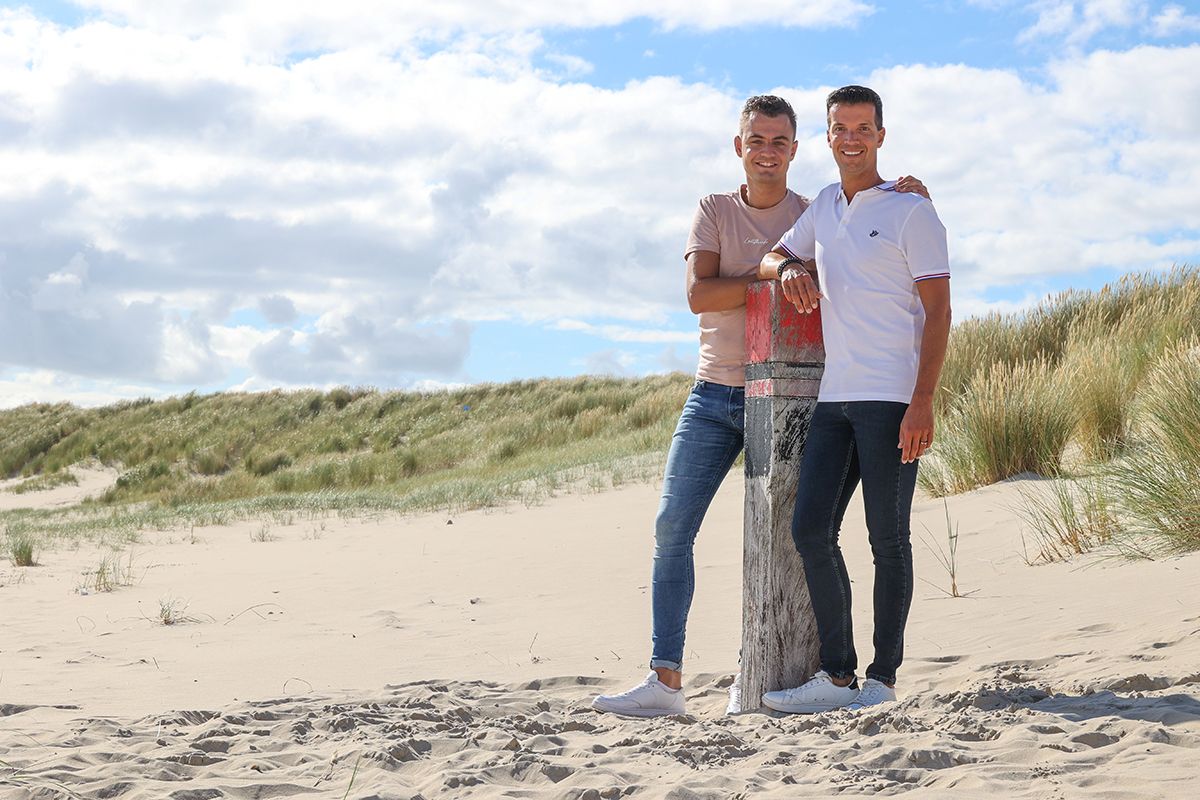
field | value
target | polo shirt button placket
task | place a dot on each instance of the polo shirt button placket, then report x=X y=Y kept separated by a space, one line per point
x=844 y=222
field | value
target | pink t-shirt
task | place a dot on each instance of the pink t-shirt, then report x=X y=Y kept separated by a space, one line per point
x=741 y=235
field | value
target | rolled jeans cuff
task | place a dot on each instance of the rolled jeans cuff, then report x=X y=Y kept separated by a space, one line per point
x=658 y=663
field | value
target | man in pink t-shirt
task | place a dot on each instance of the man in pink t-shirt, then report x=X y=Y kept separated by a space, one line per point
x=730 y=234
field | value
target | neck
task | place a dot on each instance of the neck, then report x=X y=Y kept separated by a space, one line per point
x=764 y=195
x=853 y=184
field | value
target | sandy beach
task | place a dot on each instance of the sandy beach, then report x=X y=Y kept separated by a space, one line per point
x=448 y=656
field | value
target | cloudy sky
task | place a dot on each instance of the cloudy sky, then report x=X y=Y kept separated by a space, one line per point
x=213 y=194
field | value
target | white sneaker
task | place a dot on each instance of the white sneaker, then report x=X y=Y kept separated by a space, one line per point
x=650 y=698
x=735 y=696
x=820 y=693
x=873 y=693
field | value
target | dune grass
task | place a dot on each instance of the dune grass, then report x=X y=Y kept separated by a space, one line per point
x=1156 y=487
x=1010 y=419
x=41 y=483
x=1094 y=384
x=22 y=547
x=111 y=573
x=1145 y=503
x=1085 y=352
x=196 y=459
x=1099 y=386
x=1067 y=518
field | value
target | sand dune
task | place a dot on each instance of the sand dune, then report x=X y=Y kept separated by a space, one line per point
x=91 y=481
x=409 y=657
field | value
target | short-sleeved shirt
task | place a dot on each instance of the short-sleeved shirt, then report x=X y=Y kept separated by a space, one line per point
x=870 y=254
x=741 y=235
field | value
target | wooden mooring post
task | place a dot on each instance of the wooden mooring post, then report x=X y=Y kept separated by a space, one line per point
x=785 y=358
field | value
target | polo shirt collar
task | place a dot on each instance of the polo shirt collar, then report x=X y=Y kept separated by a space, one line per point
x=886 y=186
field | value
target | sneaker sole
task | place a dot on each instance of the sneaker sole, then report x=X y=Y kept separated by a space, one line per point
x=860 y=706
x=635 y=712
x=808 y=708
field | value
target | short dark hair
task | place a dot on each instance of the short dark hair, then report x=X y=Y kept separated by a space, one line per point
x=769 y=106
x=855 y=95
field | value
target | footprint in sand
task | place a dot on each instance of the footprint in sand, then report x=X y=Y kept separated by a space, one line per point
x=1095 y=739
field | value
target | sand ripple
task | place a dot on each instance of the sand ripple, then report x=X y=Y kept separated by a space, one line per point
x=541 y=740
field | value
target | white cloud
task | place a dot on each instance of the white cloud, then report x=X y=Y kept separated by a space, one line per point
x=354 y=348
x=673 y=359
x=429 y=385
x=1039 y=181
x=1077 y=22
x=623 y=333
x=306 y=25
x=156 y=183
x=572 y=66
x=21 y=387
x=277 y=309
x=62 y=290
x=610 y=362
x=1174 y=20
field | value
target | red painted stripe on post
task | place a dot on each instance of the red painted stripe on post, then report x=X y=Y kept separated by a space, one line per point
x=777 y=331
x=783 y=387
x=760 y=388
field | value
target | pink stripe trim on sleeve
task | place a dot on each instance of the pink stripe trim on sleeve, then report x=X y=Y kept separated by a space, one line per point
x=786 y=250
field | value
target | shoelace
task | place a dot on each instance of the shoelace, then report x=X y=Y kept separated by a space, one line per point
x=630 y=692
x=819 y=678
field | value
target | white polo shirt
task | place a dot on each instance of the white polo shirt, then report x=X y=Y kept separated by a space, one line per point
x=870 y=255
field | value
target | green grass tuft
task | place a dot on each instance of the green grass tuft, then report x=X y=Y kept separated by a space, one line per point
x=111 y=573
x=22 y=548
x=1011 y=419
x=1068 y=518
x=1157 y=486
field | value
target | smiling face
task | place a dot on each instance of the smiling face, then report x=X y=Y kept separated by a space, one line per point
x=854 y=138
x=767 y=146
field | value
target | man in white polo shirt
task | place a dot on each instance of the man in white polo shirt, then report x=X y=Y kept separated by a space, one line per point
x=882 y=282
x=730 y=234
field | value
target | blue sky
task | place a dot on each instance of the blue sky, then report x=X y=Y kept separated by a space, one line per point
x=742 y=58
x=219 y=195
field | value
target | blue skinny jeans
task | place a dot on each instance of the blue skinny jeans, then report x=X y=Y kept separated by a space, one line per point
x=706 y=442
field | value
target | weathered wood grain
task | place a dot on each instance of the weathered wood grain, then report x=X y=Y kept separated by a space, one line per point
x=785 y=359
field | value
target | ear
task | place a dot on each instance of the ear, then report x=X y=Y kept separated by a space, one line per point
x=795 y=145
x=737 y=145
x=882 y=133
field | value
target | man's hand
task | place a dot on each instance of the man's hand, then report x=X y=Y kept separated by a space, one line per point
x=800 y=288
x=799 y=285
x=916 y=430
x=907 y=183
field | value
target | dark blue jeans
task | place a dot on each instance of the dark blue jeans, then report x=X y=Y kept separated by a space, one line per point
x=707 y=441
x=849 y=442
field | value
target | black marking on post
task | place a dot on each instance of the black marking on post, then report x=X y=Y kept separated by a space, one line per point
x=758 y=453
x=794 y=432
